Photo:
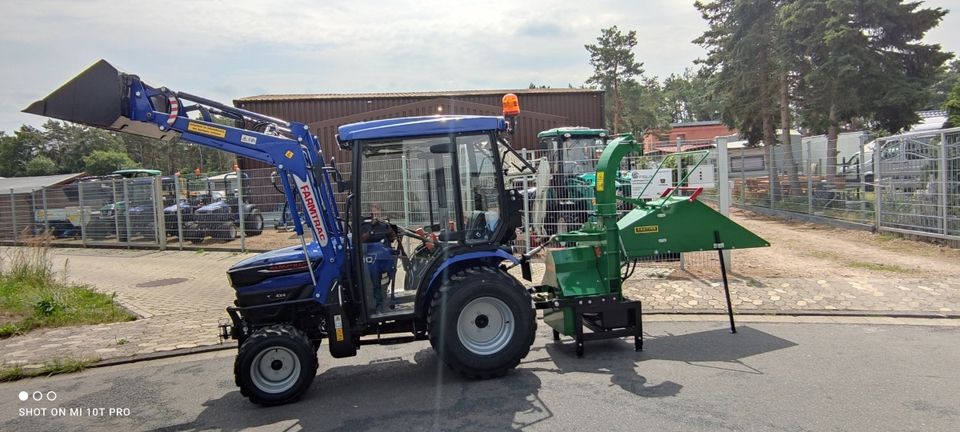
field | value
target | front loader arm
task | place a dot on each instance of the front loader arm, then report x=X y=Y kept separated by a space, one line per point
x=106 y=98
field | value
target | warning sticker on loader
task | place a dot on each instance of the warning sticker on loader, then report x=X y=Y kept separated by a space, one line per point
x=206 y=130
x=646 y=229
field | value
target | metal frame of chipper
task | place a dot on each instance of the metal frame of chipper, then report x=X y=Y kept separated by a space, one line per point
x=582 y=282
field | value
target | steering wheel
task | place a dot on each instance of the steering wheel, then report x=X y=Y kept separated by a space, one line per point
x=413 y=234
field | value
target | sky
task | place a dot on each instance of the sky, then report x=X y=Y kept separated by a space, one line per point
x=224 y=50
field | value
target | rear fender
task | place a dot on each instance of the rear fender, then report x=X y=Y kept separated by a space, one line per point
x=455 y=264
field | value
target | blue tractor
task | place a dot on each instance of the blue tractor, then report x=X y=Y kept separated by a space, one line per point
x=419 y=252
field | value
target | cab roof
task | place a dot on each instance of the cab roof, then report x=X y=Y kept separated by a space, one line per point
x=419 y=126
x=575 y=131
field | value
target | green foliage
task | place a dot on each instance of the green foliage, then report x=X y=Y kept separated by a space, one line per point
x=67 y=145
x=31 y=296
x=60 y=365
x=614 y=67
x=687 y=97
x=741 y=60
x=947 y=80
x=102 y=162
x=40 y=166
x=953 y=106
x=863 y=59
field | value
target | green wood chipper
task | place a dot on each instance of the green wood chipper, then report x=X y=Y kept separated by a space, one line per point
x=582 y=281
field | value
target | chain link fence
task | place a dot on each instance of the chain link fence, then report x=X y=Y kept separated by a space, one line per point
x=907 y=183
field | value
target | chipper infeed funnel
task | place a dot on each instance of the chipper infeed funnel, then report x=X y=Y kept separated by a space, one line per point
x=681 y=224
x=98 y=97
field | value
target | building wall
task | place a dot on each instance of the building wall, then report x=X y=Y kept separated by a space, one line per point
x=541 y=109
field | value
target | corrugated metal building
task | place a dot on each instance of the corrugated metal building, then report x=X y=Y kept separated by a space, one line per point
x=541 y=109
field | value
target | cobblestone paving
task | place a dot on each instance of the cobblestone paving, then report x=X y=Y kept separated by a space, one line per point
x=181 y=296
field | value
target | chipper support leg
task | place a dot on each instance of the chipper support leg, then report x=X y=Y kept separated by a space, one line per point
x=726 y=285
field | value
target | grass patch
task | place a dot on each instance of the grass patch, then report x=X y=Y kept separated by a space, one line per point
x=32 y=296
x=877 y=267
x=53 y=367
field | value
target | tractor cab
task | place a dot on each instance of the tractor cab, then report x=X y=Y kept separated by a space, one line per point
x=572 y=153
x=426 y=192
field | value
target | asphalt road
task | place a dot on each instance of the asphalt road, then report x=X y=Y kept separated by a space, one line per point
x=691 y=376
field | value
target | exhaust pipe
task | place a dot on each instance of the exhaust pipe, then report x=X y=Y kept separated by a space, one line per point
x=98 y=97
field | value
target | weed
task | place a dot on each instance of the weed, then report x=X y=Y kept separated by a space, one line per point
x=32 y=295
x=877 y=267
x=56 y=366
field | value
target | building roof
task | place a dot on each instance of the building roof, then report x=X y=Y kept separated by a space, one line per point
x=417 y=126
x=696 y=123
x=575 y=131
x=28 y=184
x=433 y=94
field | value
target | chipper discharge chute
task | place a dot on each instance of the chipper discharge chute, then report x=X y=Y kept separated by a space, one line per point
x=582 y=283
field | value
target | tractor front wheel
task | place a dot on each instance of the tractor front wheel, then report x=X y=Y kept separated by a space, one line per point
x=275 y=365
x=481 y=322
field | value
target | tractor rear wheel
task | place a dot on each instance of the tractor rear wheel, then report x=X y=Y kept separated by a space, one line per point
x=481 y=322
x=253 y=223
x=276 y=365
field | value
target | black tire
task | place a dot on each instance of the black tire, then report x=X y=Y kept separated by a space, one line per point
x=285 y=347
x=192 y=233
x=227 y=231
x=461 y=294
x=98 y=229
x=253 y=223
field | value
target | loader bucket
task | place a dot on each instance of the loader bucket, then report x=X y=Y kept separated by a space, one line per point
x=96 y=98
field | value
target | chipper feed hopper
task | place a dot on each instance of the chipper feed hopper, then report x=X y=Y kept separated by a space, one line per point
x=582 y=283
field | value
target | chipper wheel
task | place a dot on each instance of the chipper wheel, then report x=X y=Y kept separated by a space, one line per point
x=481 y=322
x=275 y=365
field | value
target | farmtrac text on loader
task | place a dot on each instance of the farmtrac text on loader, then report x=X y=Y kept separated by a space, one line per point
x=450 y=287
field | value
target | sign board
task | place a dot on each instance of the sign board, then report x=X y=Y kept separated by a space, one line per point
x=703 y=177
x=661 y=181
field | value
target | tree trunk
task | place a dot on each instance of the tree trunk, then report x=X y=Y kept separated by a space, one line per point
x=769 y=141
x=791 y=163
x=833 y=131
x=617 y=107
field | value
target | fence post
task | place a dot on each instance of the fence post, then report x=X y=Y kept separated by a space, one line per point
x=46 y=217
x=723 y=185
x=13 y=213
x=160 y=225
x=877 y=186
x=861 y=168
x=809 y=177
x=83 y=215
x=526 y=209
x=243 y=231
x=126 y=212
x=176 y=199
x=943 y=183
x=743 y=178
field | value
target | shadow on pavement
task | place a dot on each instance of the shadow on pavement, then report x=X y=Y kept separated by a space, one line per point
x=391 y=394
x=617 y=358
x=717 y=345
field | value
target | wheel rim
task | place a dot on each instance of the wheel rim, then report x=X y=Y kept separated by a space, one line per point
x=275 y=370
x=485 y=325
